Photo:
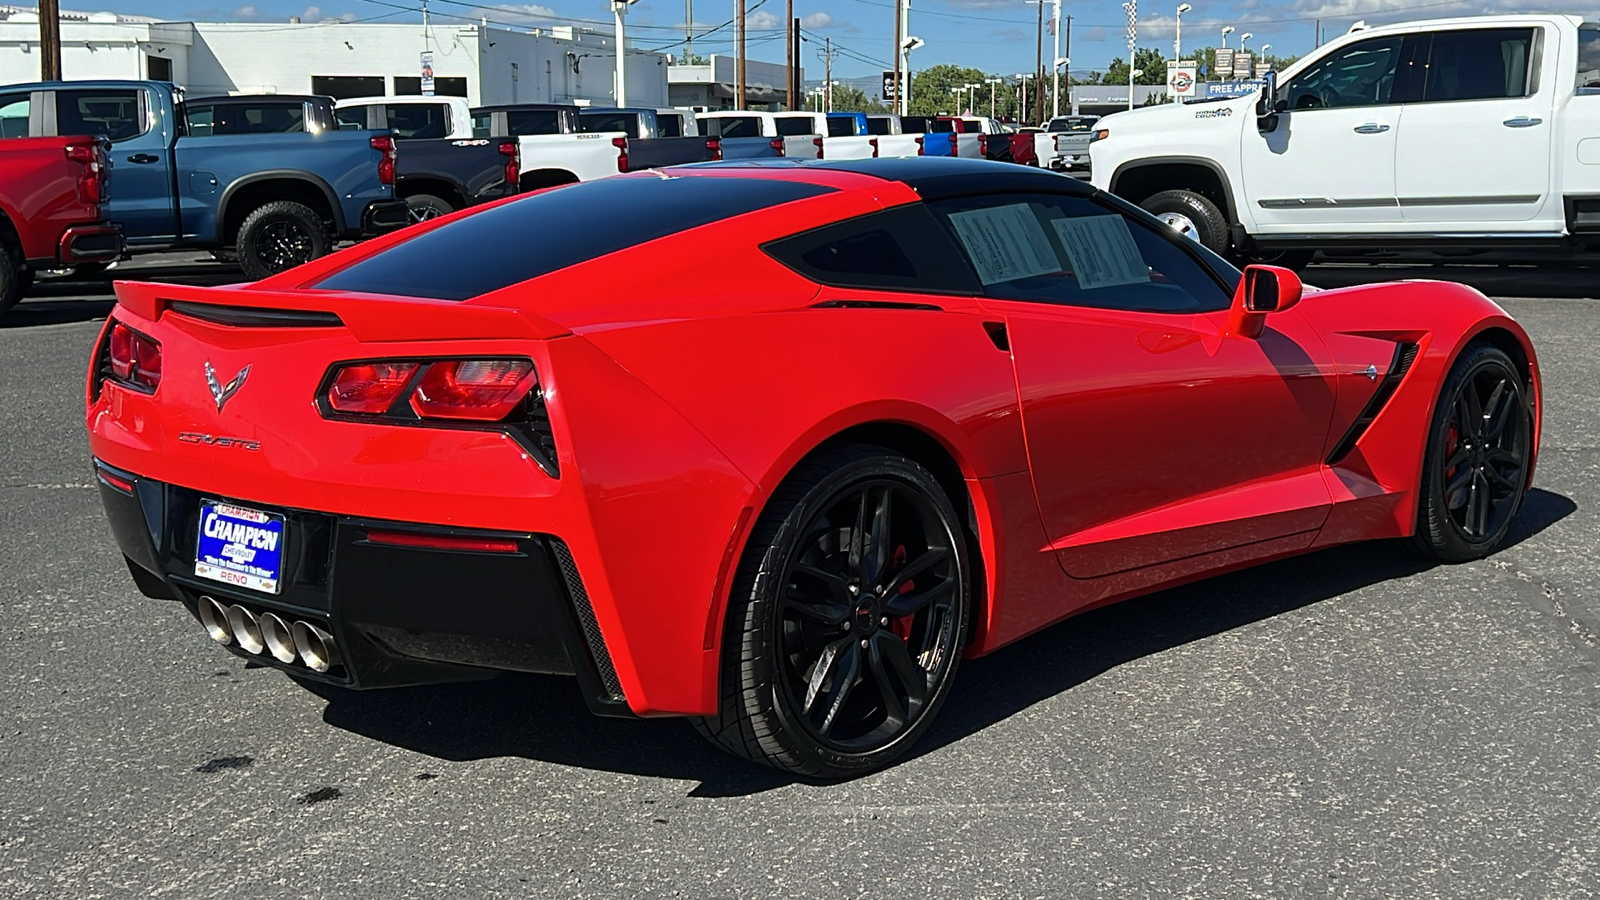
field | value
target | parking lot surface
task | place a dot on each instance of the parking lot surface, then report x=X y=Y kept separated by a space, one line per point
x=1353 y=723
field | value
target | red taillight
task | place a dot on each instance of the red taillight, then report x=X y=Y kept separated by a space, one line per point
x=513 y=154
x=443 y=541
x=818 y=142
x=369 y=388
x=92 y=180
x=874 y=143
x=478 y=390
x=714 y=144
x=621 y=144
x=135 y=359
x=777 y=144
x=385 y=143
x=921 y=150
x=955 y=144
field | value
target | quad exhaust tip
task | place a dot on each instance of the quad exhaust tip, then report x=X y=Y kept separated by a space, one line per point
x=246 y=629
x=269 y=632
x=278 y=638
x=214 y=616
x=315 y=647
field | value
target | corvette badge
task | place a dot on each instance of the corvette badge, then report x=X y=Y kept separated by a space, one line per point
x=219 y=392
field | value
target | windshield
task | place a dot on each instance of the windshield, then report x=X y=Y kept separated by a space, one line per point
x=1589 y=59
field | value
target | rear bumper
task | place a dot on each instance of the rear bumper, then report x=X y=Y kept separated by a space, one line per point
x=399 y=615
x=384 y=216
x=90 y=243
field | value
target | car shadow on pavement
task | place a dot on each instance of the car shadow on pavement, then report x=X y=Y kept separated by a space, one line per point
x=1557 y=279
x=544 y=718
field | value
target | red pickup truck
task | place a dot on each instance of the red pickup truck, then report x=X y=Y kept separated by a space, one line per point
x=51 y=191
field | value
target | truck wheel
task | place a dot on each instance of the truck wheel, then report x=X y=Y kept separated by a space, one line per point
x=1191 y=215
x=14 y=281
x=280 y=235
x=423 y=207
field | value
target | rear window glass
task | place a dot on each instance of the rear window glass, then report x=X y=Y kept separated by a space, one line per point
x=540 y=234
x=113 y=112
x=790 y=126
x=534 y=121
x=669 y=126
x=419 y=120
x=732 y=126
x=839 y=126
x=595 y=123
x=877 y=125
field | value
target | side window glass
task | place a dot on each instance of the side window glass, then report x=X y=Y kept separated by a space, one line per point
x=1589 y=59
x=14 y=111
x=113 y=113
x=199 y=121
x=1478 y=64
x=901 y=249
x=275 y=118
x=669 y=126
x=1071 y=251
x=351 y=118
x=1361 y=74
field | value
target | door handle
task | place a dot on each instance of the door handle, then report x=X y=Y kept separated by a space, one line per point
x=1372 y=128
x=143 y=158
x=1522 y=122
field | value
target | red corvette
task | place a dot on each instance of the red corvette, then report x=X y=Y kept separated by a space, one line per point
x=773 y=446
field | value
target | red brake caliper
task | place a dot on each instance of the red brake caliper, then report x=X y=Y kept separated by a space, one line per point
x=901 y=625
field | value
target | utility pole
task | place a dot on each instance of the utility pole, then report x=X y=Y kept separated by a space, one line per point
x=788 y=58
x=793 y=63
x=1055 y=61
x=898 y=57
x=826 y=55
x=1038 y=65
x=688 y=31
x=1067 y=66
x=50 y=40
x=738 y=75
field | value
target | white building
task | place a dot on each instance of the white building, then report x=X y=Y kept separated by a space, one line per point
x=712 y=84
x=485 y=65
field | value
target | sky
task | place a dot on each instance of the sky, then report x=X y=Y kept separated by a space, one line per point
x=997 y=36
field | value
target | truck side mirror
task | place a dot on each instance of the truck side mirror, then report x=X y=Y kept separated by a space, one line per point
x=1267 y=104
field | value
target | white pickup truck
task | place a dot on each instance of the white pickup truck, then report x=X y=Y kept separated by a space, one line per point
x=893 y=140
x=843 y=136
x=1456 y=133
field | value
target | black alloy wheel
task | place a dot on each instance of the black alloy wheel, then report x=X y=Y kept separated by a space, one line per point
x=422 y=207
x=848 y=617
x=279 y=236
x=1476 y=470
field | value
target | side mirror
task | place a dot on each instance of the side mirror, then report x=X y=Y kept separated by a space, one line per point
x=1269 y=90
x=1262 y=290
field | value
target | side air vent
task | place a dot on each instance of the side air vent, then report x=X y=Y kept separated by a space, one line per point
x=256 y=317
x=587 y=621
x=102 y=366
x=1404 y=355
x=542 y=435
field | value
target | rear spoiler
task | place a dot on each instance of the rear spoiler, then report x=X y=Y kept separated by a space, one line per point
x=369 y=317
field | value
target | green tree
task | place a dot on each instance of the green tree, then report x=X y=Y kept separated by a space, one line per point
x=849 y=99
x=1147 y=58
x=933 y=89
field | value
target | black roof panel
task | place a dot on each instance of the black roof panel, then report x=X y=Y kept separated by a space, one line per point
x=933 y=176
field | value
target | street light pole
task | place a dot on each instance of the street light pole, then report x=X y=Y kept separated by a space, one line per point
x=1226 y=30
x=619 y=9
x=991 y=82
x=1242 y=38
x=1177 y=36
x=1055 y=69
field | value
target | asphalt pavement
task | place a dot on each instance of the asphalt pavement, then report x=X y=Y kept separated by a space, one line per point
x=1348 y=724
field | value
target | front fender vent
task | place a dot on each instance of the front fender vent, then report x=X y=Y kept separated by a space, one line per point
x=1405 y=353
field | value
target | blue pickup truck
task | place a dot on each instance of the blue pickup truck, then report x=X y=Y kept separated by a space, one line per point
x=273 y=187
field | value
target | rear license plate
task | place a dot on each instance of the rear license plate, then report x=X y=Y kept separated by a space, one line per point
x=239 y=546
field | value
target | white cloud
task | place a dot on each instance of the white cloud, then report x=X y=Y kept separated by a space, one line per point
x=761 y=20
x=816 y=20
x=982 y=4
x=246 y=12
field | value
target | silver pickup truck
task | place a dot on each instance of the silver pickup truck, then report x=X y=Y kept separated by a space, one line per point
x=1064 y=146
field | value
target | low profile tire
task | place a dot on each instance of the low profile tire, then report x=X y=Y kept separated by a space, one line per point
x=280 y=235
x=1191 y=215
x=14 y=281
x=1475 y=470
x=847 y=618
x=422 y=207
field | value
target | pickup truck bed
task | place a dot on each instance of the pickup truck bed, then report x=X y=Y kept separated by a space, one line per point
x=51 y=190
